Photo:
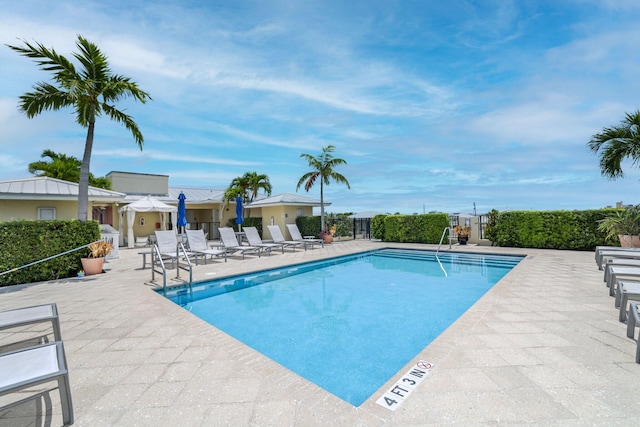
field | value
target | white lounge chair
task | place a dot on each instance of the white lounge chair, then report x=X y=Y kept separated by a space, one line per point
x=626 y=291
x=626 y=262
x=632 y=323
x=31 y=315
x=33 y=366
x=277 y=237
x=254 y=240
x=141 y=242
x=198 y=243
x=170 y=248
x=296 y=236
x=617 y=272
x=230 y=243
x=604 y=254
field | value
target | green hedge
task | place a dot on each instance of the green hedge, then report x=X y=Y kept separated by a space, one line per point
x=253 y=221
x=426 y=228
x=308 y=225
x=377 y=227
x=573 y=230
x=24 y=242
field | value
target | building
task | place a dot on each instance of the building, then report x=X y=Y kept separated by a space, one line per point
x=42 y=198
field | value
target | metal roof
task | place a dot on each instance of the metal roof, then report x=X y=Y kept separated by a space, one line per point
x=197 y=195
x=365 y=215
x=42 y=187
x=286 y=199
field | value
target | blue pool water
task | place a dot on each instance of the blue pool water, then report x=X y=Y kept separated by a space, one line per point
x=348 y=324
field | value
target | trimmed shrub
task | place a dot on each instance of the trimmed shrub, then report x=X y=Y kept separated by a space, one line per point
x=574 y=230
x=253 y=221
x=426 y=228
x=377 y=227
x=24 y=242
x=310 y=225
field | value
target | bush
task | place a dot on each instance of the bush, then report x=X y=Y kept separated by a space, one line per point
x=426 y=228
x=310 y=225
x=574 y=230
x=248 y=222
x=377 y=227
x=24 y=242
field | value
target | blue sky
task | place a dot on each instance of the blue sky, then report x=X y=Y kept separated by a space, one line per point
x=435 y=106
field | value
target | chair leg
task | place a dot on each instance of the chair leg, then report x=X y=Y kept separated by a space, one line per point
x=631 y=322
x=65 y=400
x=623 y=308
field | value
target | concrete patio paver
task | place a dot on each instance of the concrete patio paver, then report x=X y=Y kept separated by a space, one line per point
x=542 y=347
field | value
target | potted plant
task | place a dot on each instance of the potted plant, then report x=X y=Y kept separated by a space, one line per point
x=462 y=233
x=94 y=262
x=624 y=224
x=327 y=235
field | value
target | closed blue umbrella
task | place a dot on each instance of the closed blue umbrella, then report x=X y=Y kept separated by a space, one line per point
x=239 y=219
x=182 y=211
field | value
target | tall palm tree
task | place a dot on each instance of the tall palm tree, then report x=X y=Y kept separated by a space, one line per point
x=322 y=167
x=90 y=91
x=616 y=144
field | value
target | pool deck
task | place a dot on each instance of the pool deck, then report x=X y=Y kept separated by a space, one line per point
x=542 y=347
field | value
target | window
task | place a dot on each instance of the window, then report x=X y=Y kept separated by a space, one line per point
x=299 y=212
x=46 y=213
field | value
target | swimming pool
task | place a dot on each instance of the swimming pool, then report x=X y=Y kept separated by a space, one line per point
x=347 y=324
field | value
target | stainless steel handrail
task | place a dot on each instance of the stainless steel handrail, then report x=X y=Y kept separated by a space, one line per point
x=155 y=255
x=156 y=259
x=186 y=258
x=442 y=238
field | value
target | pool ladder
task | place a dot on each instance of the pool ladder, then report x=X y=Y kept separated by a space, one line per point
x=442 y=238
x=157 y=261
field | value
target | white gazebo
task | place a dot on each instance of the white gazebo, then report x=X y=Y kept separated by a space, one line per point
x=146 y=204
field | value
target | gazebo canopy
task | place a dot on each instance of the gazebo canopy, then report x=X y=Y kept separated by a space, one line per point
x=146 y=204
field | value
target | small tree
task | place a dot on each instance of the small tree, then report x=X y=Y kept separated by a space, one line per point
x=67 y=168
x=247 y=186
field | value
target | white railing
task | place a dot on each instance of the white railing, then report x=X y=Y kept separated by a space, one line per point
x=442 y=238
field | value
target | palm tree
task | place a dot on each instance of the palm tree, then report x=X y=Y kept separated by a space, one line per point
x=616 y=144
x=322 y=167
x=257 y=182
x=90 y=91
x=59 y=166
x=248 y=186
x=66 y=168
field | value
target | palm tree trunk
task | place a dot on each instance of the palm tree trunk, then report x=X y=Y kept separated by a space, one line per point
x=321 y=206
x=83 y=185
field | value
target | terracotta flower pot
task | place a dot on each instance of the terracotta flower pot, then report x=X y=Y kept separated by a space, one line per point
x=328 y=239
x=92 y=265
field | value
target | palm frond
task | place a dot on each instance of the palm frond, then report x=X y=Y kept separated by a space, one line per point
x=617 y=143
x=127 y=121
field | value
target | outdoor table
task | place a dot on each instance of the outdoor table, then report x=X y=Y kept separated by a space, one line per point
x=240 y=235
x=144 y=258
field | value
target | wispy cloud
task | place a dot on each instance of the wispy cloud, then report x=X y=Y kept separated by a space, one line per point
x=435 y=104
